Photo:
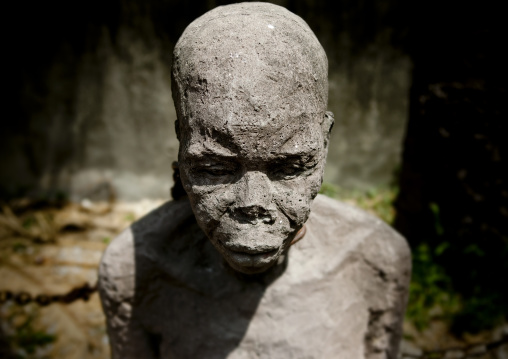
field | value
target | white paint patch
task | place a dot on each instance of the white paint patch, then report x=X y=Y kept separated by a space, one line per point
x=270 y=26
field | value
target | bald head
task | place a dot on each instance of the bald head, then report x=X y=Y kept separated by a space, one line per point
x=250 y=60
x=250 y=88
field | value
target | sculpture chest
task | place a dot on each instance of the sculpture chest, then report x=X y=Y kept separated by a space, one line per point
x=322 y=315
x=167 y=293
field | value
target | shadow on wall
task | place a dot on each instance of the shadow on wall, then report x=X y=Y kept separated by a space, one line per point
x=90 y=100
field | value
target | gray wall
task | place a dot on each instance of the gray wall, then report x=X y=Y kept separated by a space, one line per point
x=369 y=94
x=95 y=107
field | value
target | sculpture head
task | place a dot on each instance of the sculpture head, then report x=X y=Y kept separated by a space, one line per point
x=250 y=88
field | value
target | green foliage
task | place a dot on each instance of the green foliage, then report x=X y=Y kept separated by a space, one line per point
x=329 y=190
x=473 y=259
x=130 y=217
x=28 y=222
x=431 y=291
x=434 y=208
x=25 y=339
x=378 y=201
x=19 y=247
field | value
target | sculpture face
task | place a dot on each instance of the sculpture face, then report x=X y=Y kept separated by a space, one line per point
x=251 y=184
x=253 y=130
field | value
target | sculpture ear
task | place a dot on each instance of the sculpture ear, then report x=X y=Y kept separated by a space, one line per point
x=327 y=126
x=177 y=129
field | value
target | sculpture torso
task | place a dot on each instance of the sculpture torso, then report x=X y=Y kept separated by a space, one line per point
x=167 y=292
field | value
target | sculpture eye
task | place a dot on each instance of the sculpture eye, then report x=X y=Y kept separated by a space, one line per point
x=216 y=171
x=213 y=170
x=287 y=171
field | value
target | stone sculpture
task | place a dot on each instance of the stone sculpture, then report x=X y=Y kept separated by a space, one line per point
x=218 y=273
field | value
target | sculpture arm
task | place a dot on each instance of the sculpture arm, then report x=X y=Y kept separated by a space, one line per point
x=127 y=337
x=390 y=258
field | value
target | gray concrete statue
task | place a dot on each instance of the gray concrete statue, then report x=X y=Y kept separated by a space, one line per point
x=253 y=263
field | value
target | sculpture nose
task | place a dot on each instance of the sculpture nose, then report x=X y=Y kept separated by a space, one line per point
x=255 y=199
x=254 y=214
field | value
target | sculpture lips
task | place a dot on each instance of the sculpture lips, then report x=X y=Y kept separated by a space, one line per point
x=250 y=251
x=252 y=260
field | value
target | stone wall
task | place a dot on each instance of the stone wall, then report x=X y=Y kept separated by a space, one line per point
x=90 y=96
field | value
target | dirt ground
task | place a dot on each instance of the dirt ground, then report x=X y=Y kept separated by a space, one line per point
x=50 y=251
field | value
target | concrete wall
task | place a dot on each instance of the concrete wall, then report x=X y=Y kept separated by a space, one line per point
x=91 y=101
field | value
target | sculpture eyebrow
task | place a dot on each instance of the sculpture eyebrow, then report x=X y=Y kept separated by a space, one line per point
x=206 y=149
x=293 y=152
x=296 y=154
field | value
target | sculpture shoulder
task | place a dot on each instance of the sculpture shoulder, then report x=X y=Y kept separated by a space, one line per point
x=356 y=232
x=128 y=253
x=117 y=268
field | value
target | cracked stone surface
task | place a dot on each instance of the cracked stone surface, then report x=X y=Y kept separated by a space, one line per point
x=168 y=293
x=215 y=274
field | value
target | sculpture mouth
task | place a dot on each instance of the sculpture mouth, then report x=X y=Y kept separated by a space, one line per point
x=263 y=254
x=250 y=257
x=249 y=250
x=245 y=261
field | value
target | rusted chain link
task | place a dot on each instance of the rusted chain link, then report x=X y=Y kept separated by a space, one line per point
x=24 y=298
x=471 y=351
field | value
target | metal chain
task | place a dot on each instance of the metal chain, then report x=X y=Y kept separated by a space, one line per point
x=24 y=298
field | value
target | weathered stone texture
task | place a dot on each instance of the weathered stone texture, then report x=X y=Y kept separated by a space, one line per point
x=167 y=292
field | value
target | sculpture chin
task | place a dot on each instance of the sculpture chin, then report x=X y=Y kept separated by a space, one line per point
x=250 y=262
x=251 y=248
